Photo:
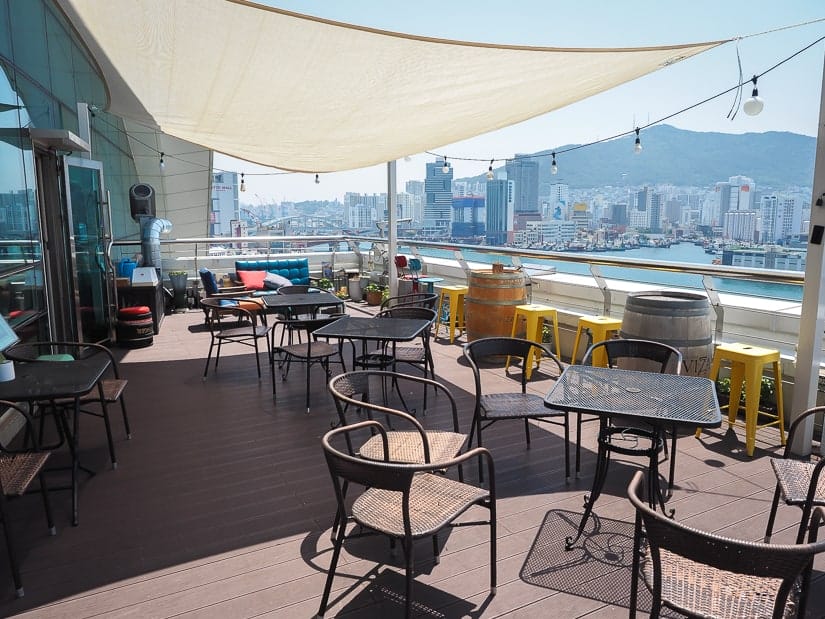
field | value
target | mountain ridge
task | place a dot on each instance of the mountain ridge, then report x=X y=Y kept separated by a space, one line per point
x=774 y=160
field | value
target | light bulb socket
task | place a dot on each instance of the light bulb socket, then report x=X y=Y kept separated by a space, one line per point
x=317 y=179
x=554 y=169
x=243 y=183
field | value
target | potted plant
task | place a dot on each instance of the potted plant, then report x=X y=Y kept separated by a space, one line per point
x=374 y=293
x=325 y=283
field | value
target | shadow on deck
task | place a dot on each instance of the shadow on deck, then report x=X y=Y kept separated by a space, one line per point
x=222 y=504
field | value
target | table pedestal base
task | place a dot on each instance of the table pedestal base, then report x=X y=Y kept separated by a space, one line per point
x=607 y=445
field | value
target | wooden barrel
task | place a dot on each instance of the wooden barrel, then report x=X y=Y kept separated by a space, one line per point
x=680 y=319
x=134 y=327
x=490 y=303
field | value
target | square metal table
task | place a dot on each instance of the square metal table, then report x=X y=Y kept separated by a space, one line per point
x=662 y=401
x=384 y=330
x=41 y=381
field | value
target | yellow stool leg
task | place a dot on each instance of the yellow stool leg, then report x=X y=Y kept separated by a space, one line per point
x=460 y=305
x=753 y=388
x=534 y=354
x=599 y=335
x=439 y=313
x=576 y=344
x=780 y=413
x=712 y=375
x=737 y=377
x=556 y=333
x=453 y=312
x=516 y=317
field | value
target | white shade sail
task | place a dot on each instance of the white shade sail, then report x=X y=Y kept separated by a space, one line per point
x=310 y=95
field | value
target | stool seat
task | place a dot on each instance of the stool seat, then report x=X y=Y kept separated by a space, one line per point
x=535 y=314
x=747 y=364
x=455 y=305
x=599 y=327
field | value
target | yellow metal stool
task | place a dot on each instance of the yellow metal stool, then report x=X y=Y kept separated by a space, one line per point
x=455 y=301
x=747 y=363
x=599 y=327
x=535 y=315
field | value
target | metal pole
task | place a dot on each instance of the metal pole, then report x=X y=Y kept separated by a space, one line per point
x=812 y=321
x=392 y=224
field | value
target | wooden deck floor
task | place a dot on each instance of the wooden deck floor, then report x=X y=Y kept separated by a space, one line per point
x=222 y=505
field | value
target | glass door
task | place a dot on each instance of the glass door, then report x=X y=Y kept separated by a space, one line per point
x=89 y=236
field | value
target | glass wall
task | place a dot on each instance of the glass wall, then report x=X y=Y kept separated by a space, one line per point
x=44 y=73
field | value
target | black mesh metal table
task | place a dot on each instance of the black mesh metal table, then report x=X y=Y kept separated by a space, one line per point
x=47 y=381
x=661 y=401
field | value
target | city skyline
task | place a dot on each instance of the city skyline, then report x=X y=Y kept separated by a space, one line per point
x=791 y=92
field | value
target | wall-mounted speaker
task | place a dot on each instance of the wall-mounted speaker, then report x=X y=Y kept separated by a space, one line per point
x=141 y=201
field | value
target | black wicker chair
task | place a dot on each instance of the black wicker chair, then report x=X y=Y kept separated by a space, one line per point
x=701 y=574
x=492 y=406
x=310 y=351
x=799 y=480
x=636 y=354
x=417 y=355
x=239 y=322
x=18 y=469
x=404 y=501
x=414 y=443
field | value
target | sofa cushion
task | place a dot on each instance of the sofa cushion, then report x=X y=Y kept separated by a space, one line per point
x=296 y=270
x=253 y=280
x=273 y=281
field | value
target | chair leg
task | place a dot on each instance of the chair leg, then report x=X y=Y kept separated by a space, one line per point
x=125 y=418
x=108 y=426
x=772 y=516
x=47 y=506
x=15 y=570
x=672 y=456
x=634 y=571
x=208 y=359
x=493 y=551
x=408 y=551
x=527 y=431
x=436 y=556
x=336 y=553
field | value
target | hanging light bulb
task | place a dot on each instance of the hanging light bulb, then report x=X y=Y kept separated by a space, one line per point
x=162 y=163
x=243 y=183
x=754 y=105
x=446 y=167
x=637 y=147
x=490 y=174
x=317 y=180
x=554 y=169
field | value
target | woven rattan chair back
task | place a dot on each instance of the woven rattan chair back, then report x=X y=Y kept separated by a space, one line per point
x=365 y=391
x=492 y=405
x=799 y=479
x=403 y=501
x=685 y=568
x=636 y=354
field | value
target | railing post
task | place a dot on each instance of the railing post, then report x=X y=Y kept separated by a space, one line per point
x=716 y=303
x=601 y=282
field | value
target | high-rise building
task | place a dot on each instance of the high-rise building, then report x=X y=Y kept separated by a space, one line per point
x=499 y=212
x=363 y=210
x=438 y=202
x=468 y=217
x=655 y=211
x=741 y=192
x=524 y=172
x=558 y=201
x=225 y=205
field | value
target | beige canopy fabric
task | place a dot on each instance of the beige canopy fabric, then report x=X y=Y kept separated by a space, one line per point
x=310 y=95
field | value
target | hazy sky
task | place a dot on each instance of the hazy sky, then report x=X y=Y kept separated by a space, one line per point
x=792 y=92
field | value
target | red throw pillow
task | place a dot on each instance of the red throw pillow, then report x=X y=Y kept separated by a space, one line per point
x=254 y=280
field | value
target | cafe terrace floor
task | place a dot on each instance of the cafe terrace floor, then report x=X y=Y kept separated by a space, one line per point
x=222 y=505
